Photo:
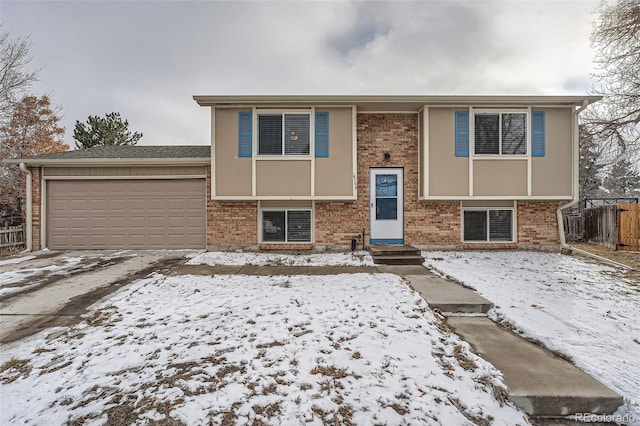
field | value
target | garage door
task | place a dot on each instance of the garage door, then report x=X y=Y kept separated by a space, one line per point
x=141 y=214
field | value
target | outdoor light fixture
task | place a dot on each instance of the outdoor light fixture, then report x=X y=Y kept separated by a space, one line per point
x=387 y=157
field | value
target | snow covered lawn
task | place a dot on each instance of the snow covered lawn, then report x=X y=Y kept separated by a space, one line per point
x=228 y=349
x=582 y=309
x=358 y=258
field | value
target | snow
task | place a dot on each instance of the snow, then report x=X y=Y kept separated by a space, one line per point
x=582 y=309
x=16 y=260
x=15 y=281
x=284 y=350
x=358 y=258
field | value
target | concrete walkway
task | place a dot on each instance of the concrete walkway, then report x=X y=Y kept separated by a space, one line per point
x=539 y=382
x=297 y=270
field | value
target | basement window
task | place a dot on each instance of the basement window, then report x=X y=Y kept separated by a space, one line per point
x=488 y=225
x=286 y=226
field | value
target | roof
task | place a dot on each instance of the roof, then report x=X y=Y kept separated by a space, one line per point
x=393 y=102
x=149 y=154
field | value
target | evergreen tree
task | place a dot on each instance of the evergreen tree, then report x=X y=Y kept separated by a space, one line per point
x=99 y=131
x=623 y=180
x=591 y=164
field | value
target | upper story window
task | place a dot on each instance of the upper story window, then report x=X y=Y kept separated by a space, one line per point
x=283 y=134
x=499 y=133
x=503 y=133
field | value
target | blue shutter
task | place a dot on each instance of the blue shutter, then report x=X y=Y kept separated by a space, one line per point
x=462 y=133
x=244 y=134
x=322 y=134
x=537 y=134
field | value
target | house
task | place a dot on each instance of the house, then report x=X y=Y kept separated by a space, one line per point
x=302 y=172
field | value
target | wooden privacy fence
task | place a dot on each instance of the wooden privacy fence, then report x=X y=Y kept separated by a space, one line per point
x=628 y=218
x=574 y=227
x=616 y=227
x=600 y=226
x=11 y=237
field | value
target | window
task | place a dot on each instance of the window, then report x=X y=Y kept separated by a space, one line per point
x=502 y=133
x=286 y=226
x=283 y=134
x=488 y=225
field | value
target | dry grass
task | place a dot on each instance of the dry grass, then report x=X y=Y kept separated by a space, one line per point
x=629 y=258
x=464 y=361
x=15 y=368
x=336 y=373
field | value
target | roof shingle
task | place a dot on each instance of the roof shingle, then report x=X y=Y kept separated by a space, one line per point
x=130 y=152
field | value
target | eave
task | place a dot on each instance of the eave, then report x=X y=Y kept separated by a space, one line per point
x=399 y=102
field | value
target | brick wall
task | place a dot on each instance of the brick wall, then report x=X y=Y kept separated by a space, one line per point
x=537 y=224
x=36 y=194
x=230 y=224
x=432 y=223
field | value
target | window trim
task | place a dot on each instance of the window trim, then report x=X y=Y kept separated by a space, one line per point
x=283 y=153
x=487 y=210
x=472 y=133
x=286 y=229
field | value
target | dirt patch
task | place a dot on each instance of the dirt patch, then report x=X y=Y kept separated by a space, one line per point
x=629 y=258
x=70 y=313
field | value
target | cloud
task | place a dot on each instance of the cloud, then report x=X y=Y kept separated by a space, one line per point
x=146 y=59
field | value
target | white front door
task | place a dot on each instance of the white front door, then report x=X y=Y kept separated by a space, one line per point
x=386 y=206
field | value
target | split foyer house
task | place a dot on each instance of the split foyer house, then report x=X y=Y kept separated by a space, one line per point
x=302 y=172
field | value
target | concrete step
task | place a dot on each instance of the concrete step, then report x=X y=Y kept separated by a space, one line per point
x=538 y=382
x=399 y=260
x=448 y=296
x=393 y=250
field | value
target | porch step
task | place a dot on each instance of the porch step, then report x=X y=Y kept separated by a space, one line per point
x=540 y=383
x=387 y=254
x=398 y=260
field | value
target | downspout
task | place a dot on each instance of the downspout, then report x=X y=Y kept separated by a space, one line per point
x=576 y=195
x=28 y=229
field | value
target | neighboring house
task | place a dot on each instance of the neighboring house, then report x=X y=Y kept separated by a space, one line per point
x=299 y=172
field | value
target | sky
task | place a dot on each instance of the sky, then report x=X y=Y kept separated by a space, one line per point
x=146 y=59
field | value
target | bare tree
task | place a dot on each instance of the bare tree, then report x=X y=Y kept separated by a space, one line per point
x=15 y=78
x=616 y=40
x=33 y=129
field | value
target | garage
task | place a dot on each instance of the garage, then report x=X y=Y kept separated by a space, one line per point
x=132 y=214
x=117 y=197
x=126 y=213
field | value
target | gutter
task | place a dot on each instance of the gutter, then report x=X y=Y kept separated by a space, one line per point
x=576 y=197
x=29 y=228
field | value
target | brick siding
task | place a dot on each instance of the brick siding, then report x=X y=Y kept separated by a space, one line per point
x=230 y=223
x=36 y=197
x=537 y=224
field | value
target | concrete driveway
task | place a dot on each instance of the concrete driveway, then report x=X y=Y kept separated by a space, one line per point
x=46 y=289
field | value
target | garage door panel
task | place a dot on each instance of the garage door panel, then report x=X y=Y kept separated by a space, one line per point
x=126 y=213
